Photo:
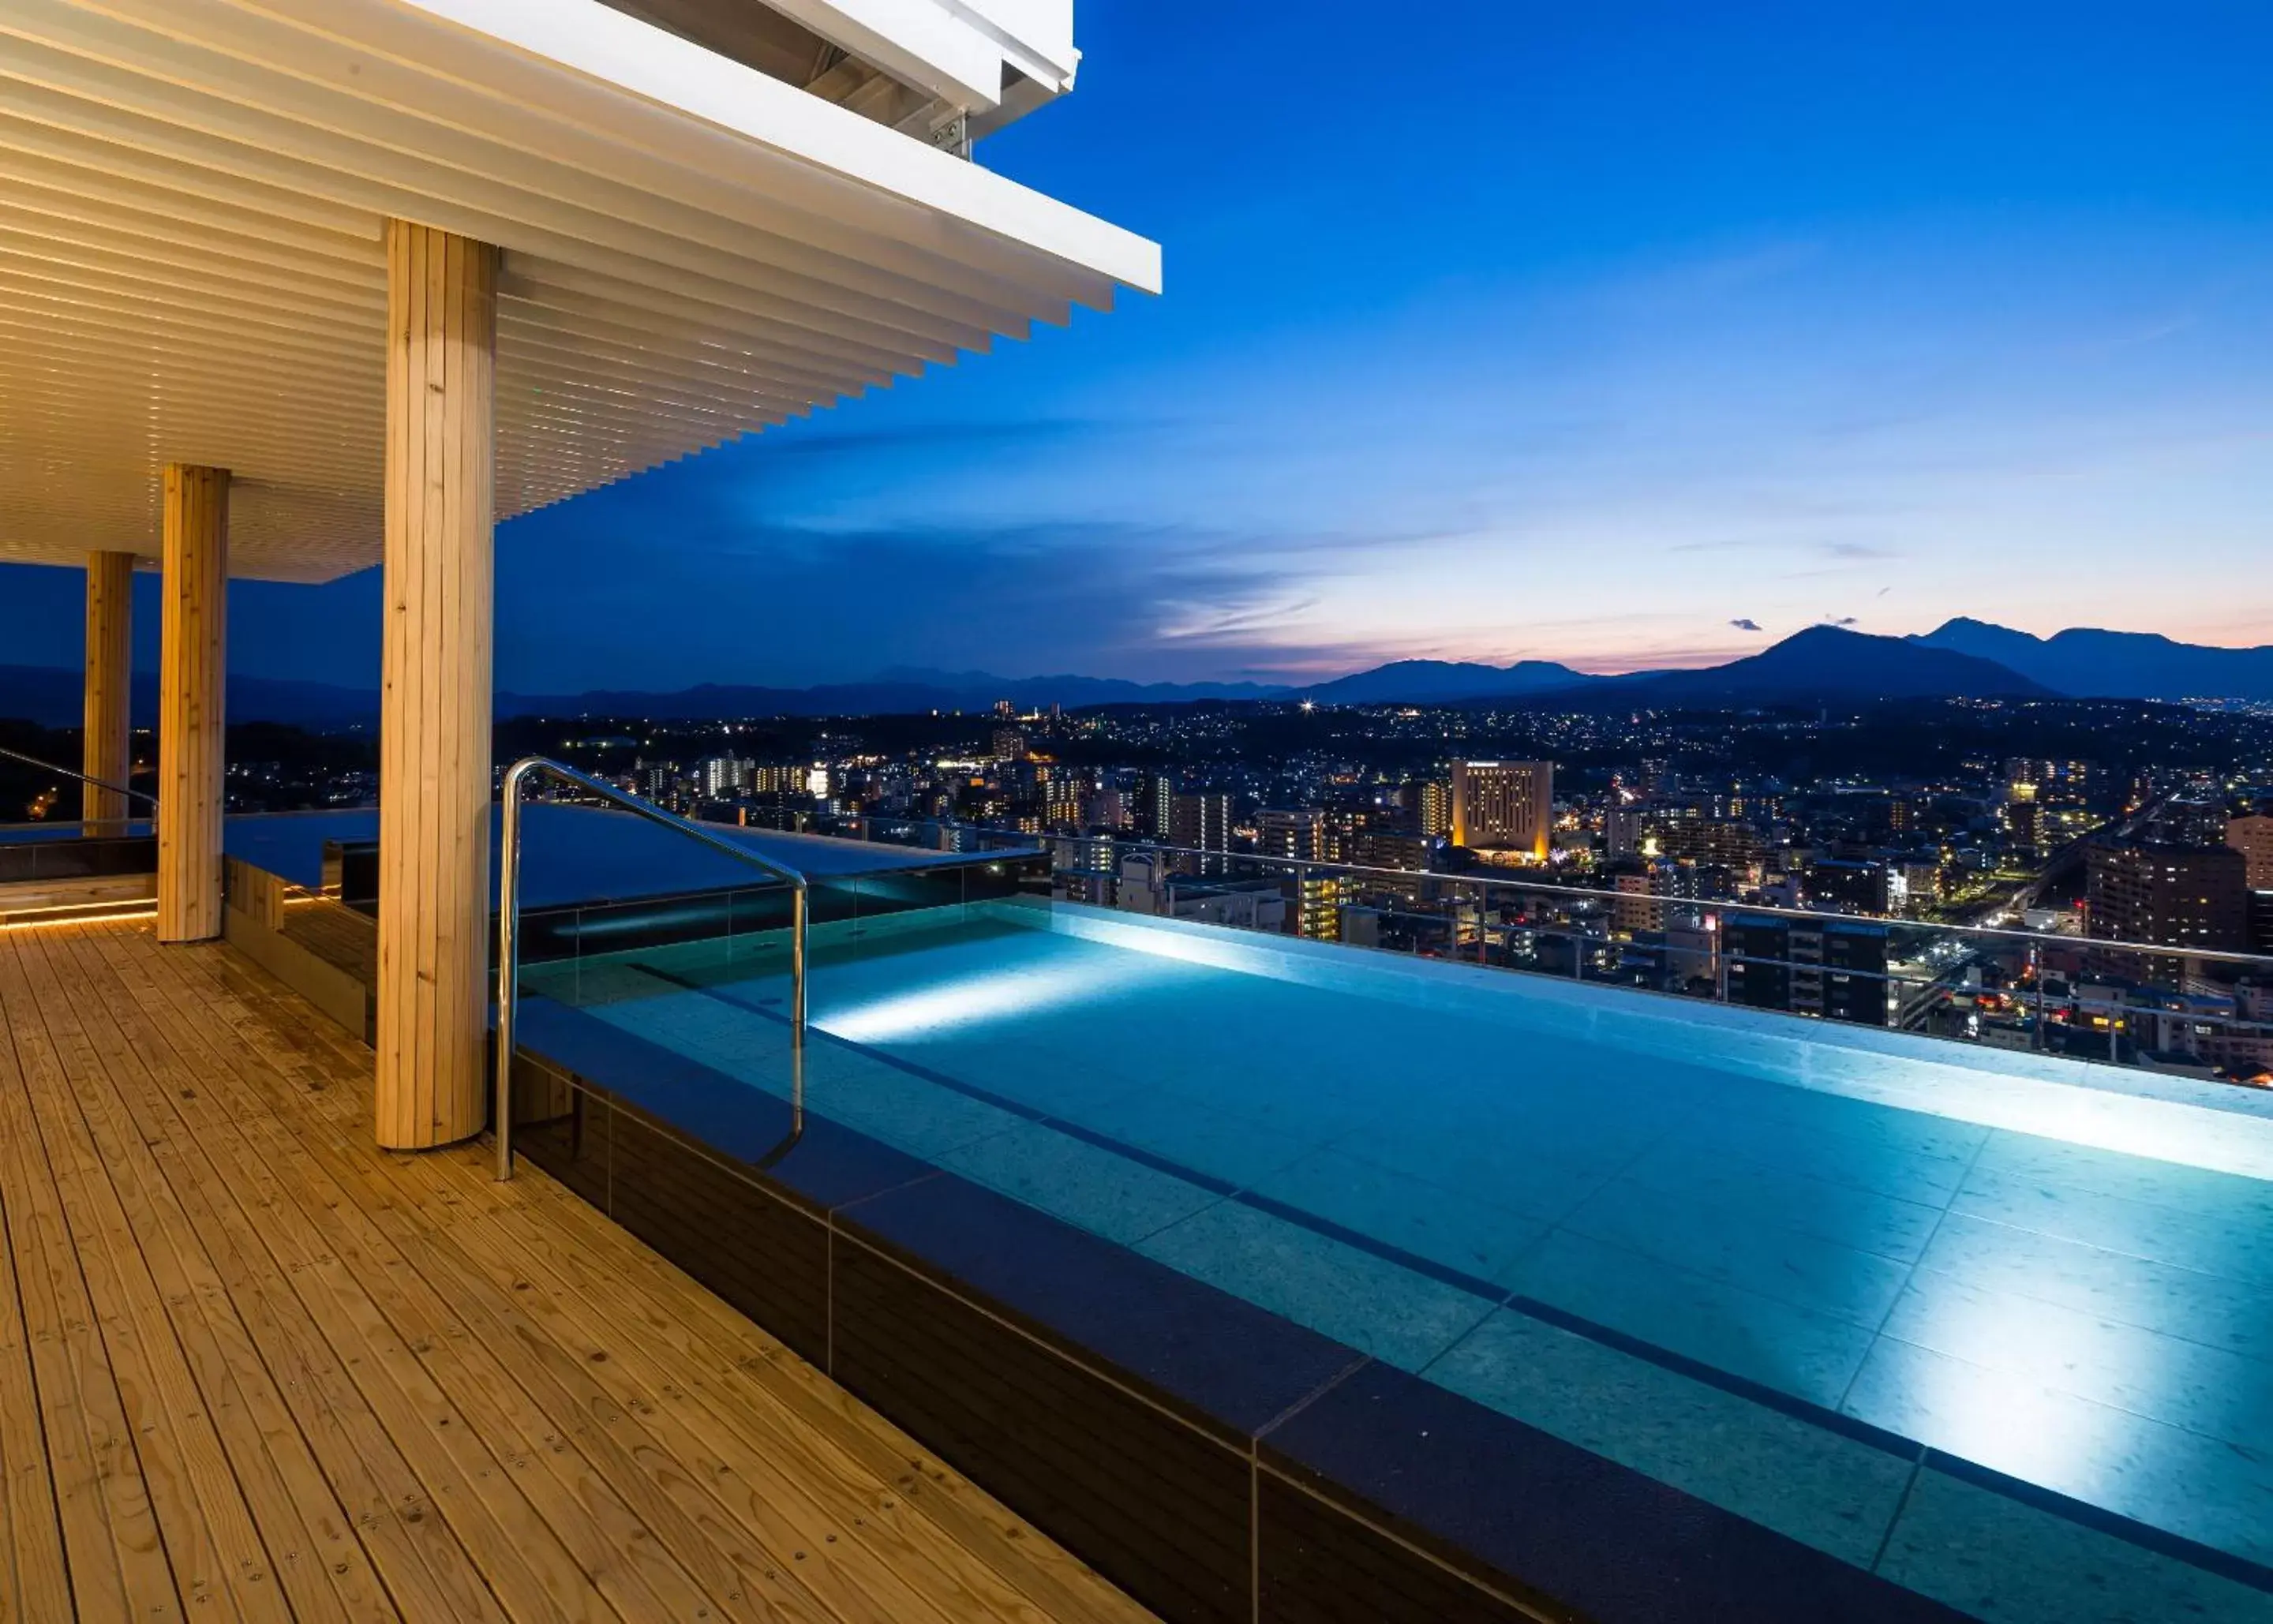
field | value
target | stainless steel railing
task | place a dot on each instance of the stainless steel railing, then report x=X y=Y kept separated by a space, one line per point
x=508 y=967
x=99 y=783
x=1484 y=883
x=1545 y=908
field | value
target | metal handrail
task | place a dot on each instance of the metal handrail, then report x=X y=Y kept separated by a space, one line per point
x=100 y=783
x=1558 y=888
x=509 y=988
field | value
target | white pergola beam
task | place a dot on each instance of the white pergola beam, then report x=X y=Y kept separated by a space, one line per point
x=192 y=199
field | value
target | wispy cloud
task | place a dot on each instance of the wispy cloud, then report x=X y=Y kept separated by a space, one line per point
x=1779 y=423
x=1843 y=551
x=735 y=599
x=985 y=434
x=1679 y=285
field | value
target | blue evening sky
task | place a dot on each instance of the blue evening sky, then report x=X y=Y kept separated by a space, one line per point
x=1580 y=332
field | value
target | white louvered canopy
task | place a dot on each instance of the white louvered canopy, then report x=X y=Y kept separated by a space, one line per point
x=193 y=195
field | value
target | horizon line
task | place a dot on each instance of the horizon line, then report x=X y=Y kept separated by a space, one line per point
x=1281 y=681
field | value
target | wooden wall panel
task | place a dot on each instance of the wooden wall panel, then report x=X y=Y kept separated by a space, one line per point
x=435 y=778
x=106 y=752
x=191 y=673
x=255 y=893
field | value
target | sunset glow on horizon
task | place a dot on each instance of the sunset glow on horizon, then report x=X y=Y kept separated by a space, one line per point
x=1671 y=324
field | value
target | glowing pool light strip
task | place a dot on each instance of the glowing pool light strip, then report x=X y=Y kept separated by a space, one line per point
x=968 y=1001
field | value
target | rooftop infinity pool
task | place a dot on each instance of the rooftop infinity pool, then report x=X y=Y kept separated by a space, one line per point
x=1770 y=1263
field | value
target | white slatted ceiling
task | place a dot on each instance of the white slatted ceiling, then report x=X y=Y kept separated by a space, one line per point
x=192 y=199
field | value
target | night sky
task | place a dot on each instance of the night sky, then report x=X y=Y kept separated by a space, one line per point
x=1601 y=333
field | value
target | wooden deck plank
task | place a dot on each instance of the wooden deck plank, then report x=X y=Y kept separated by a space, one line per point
x=118 y=1559
x=574 y=1520
x=782 y=1498
x=736 y=1369
x=744 y=1374
x=323 y=1567
x=474 y=1482
x=34 y=1580
x=428 y=1573
x=191 y=1382
x=704 y=1330
x=230 y=1326
x=221 y=1562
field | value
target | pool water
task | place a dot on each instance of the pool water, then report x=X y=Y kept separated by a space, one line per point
x=1758 y=1258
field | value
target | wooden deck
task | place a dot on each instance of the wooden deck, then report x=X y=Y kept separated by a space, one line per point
x=252 y=1367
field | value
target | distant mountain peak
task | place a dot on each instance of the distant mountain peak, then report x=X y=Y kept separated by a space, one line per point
x=1827 y=662
x=2088 y=662
x=1963 y=657
x=1409 y=682
x=1958 y=625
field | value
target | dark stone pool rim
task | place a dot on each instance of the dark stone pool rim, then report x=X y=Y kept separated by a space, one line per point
x=1217 y=1462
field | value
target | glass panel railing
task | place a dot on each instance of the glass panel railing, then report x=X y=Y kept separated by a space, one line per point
x=625 y=944
x=2190 y=1012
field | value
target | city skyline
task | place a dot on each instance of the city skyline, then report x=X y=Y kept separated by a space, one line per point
x=1668 y=331
x=1432 y=823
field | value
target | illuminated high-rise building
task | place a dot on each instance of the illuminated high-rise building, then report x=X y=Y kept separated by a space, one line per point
x=1429 y=803
x=1848 y=886
x=1623 y=825
x=1106 y=811
x=2169 y=895
x=1292 y=832
x=2251 y=833
x=2190 y=820
x=1631 y=878
x=1314 y=896
x=1316 y=910
x=2024 y=819
x=1201 y=821
x=1154 y=813
x=1065 y=799
x=1831 y=967
x=1506 y=806
x=1687 y=837
x=724 y=776
x=1394 y=849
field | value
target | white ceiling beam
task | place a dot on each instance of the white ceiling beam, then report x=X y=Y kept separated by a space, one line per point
x=193 y=200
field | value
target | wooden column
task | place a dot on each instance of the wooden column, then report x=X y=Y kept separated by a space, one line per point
x=194 y=637
x=106 y=745
x=435 y=780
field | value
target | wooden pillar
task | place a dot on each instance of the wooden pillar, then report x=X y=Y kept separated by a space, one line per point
x=435 y=779
x=193 y=641
x=106 y=748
